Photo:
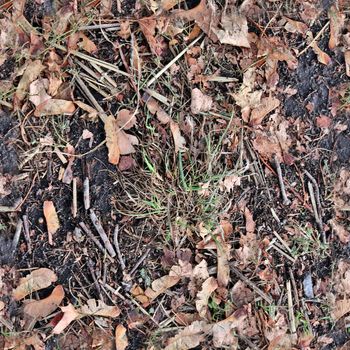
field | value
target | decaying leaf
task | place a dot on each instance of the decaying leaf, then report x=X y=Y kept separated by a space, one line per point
x=342 y=233
x=223 y=275
x=230 y=182
x=200 y=102
x=69 y=315
x=92 y=113
x=267 y=105
x=155 y=109
x=179 y=140
x=22 y=342
x=41 y=308
x=190 y=337
x=111 y=130
x=92 y=308
x=37 y=91
x=98 y=308
x=126 y=119
x=336 y=22
x=322 y=56
x=293 y=26
x=30 y=74
x=36 y=280
x=224 y=333
x=161 y=285
x=121 y=339
x=54 y=107
x=51 y=218
x=208 y=287
x=347 y=62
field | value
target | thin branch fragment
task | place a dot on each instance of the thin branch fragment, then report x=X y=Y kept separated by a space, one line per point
x=293 y=327
x=116 y=244
x=75 y=198
x=86 y=187
x=27 y=233
x=102 y=233
x=17 y=235
x=140 y=261
x=286 y=201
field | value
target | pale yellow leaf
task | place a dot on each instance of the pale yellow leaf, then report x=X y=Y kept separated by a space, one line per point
x=111 y=130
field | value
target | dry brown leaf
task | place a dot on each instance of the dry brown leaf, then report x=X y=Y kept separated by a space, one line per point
x=223 y=274
x=190 y=337
x=342 y=233
x=340 y=308
x=139 y=294
x=30 y=74
x=41 y=308
x=126 y=142
x=241 y=294
x=347 y=62
x=293 y=26
x=36 y=280
x=54 y=107
x=112 y=142
x=51 y=218
x=230 y=182
x=106 y=7
x=200 y=102
x=336 y=23
x=148 y=26
x=161 y=285
x=267 y=105
x=62 y=17
x=126 y=119
x=155 y=109
x=125 y=30
x=208 y=287
x=179 y=140
x=121 y=339
x=21 y=342
x=235 y=28
x=99 y=308
x=224 y=333
x=37 y=91
x=92 y=113
x=69 y=315
x=322 y=57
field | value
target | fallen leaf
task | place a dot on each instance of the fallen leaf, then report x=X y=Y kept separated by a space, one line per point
x=293 y=26
x=223 y=273
x=336 y=23
x=51 y=219
x=342 y=233
x=98 y=308
x=161 y=285
x=54 y=107
x=30 y=74
x=148 y=26
x=179 y=140
x=126 y=142
x=155 y=109
x=347 y=62
x=208 y=287
x=126 y=119
x=69 y=315
x=37 y=91
x=126 y=163
x=190 y=337
x=124 y=31
x=112 y=142
x=92 y=113
x=21 y=342
x=36 y=280
x=235 y=28
x=224 y=333
x=322 y=57
x=121 y=339
x=323 y=121
x=267 y=105
x=241 y=294
x=230 y=182
x=200 y=102
x=106 y=7
x=41 y=308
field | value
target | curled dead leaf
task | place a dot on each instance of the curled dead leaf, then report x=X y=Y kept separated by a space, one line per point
x=51 y=219
x=208 y=287
x=121 y=339
x=126 y=119
x=160 y=285
x=36 y=280
x=95 y=307
x=54 y=107
x=41 y=308
x=179 y=140
x=111 y=130
x=37 y=91
x=200 y=102
x=69 y=315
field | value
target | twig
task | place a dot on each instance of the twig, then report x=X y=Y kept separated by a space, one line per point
x=295 y=289
x=248 y=342
x=115 y=292
x=286 y=201
x=102 y=233
x=99 y=26
x=86 y=186
x=282 y=241
x=94 y=239
x=272 y=245
x=291 y=308
x=116 y=244
x=246 y=280
x=96 y=283
x=313 y=40
x=167 y=66
x=17 y=235
x=139 y=262
x=27 y=233
x=75 y=198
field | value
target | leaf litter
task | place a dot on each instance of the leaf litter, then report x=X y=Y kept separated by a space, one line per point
x=184 y=126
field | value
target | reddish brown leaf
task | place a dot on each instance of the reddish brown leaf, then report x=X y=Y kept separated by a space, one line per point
x=121 y=339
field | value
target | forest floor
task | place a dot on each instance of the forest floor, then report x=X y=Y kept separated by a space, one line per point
x=174 y=174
